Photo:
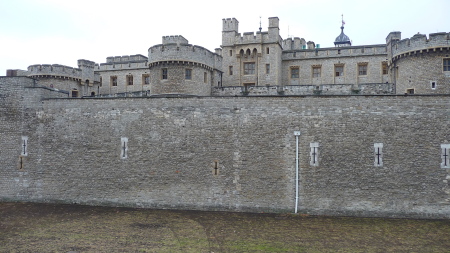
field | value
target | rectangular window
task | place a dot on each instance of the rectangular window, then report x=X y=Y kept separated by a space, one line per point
x=267 y=50
x=249 y=68
x=231 y=52
x=378 y=154
x=24 y=146
x=362 y=69
x=146 y=79
x=317 y=71
x=230 y=70
x=433 y=85
x=339 y=70
x=314 y=154
x=74 y=93
x=447 y=64
x=410 y=91
x=205 y=77
x=384 y=68
x=123 y=148
x=130 y=80
x=295 y=72
x=188 y=74
x=164 y=73
x=445 y=156
x=113 y=81
x=101 y=81
x=267 y=68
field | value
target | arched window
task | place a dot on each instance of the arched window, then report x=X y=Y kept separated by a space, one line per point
x=241 y=52
x=255 y=52
x=248 y=52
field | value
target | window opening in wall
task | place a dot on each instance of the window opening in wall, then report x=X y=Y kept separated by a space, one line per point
x=317 y=71
x=101 y=81
x=74 y=93
x=129 y=80
x=384 y=68
x=267 y=68
x=378 y=153
x=362 y=69
x=216 y=167
x=339 y=51
x=230 y=70
x=123 y=148
x=249 y=68
x=164 y=73
x=188 y=74
x=445 y=156
x=93 y=94
x=410 y=91
x=146 y=79
x=433 y=85
x=295 y=72
x=446 y=64
x=314 y=154
x=113 y=80
x=205 y=77
x=24 y=146
x=339 y=70
x=231 y=52
x=267 y=50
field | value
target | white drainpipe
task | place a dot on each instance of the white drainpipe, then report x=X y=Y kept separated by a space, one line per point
x=297 y=134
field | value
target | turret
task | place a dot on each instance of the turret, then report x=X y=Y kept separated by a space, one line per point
x=274 y=28
x=230 y=28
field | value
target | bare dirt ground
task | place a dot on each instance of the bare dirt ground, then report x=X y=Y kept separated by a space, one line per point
x=28 y=227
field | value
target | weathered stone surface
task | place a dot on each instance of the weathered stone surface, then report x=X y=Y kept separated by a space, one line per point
x=74 y=152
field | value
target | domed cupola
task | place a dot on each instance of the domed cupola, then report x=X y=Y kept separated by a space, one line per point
x=342 y=40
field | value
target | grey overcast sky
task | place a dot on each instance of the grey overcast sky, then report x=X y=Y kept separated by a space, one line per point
x=61 y=32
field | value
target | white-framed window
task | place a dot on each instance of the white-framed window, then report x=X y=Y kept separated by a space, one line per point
x=24 y=146
x=378 y=154
x=445 y=156
x=433 y=85
x=314 y=154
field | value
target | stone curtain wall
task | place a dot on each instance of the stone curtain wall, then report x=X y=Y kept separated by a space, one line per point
x=230 y=153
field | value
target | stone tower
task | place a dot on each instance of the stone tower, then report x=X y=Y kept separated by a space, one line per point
x=251 y=59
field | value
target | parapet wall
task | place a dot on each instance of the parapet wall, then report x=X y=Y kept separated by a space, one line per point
x=334 y=52
x=305 y=90
x=54 y=70
x=184 y=52
x=421 y=42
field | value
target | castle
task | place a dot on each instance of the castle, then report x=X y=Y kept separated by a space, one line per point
x=261 y=124
x=262 y=64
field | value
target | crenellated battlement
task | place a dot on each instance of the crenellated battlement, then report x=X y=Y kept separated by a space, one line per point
x=420 y=42
x=231 y=37
x=126 y=58
x=183 y=52
x=174 y=39
x=56 y=70
x=294 y=44
x=334 y=52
